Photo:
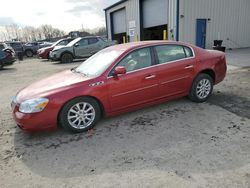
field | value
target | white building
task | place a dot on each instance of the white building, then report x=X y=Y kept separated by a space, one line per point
x=198 y=22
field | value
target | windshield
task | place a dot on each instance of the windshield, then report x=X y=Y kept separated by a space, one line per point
x=73 y=42
x=98 y=63
x=55 y=43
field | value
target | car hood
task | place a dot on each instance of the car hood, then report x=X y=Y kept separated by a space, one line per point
x=61 y=47
x=51 y=85
x=47 y=48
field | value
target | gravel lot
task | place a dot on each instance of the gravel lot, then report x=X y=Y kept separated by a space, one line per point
x=176 y=144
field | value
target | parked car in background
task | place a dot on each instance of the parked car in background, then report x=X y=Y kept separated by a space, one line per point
x=18 y=48
x=44 y=52
x=79 y=48
x=119 y=79
x=7 y=55
x=31 y=48
x=16 y=45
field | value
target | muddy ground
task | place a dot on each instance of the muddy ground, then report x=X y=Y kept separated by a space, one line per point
x=176 y=144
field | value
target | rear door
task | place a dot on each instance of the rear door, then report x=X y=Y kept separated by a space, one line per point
x=175 y=70
x=138 y=86
x=94 y=45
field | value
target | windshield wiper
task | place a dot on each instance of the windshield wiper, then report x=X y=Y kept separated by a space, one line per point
x=79 y=72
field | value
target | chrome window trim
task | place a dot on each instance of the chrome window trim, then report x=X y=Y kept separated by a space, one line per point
x=169 y=62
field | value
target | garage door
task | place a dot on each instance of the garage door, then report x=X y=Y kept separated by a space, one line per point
x=119 y=21
x=155 y=12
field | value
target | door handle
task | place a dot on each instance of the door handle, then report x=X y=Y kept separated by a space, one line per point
x=150 y=77
x=189 y=67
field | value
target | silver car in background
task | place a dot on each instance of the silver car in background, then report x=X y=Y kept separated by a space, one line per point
x=79 y=48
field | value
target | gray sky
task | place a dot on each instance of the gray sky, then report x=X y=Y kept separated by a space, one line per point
x=67 y=15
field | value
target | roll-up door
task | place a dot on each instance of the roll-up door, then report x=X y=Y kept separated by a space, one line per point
x=119 y=25
x=154 y=18
x=155 y=13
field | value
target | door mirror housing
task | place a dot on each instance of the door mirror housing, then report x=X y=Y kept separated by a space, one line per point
x=77 y=44
x=119 y=70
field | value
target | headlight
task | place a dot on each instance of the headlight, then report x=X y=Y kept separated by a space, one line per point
x=13 y=102
x=33 y=105
x=41 y=51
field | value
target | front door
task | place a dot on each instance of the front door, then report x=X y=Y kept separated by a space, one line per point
x=138 y=86
x=201 y=29
x=82 y=48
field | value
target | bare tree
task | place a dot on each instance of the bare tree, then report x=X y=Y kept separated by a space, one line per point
x=12 y=31
x=101 y=31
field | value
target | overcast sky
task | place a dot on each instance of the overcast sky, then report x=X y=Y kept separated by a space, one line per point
x=67 y=15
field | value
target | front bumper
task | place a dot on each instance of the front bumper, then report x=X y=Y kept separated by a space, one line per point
x=34 y=122
x=43 y=55
x=54 y=56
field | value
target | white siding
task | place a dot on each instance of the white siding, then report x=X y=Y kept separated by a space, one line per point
x=230 y=21
x=172 y=20
x=155 y=13
x=132 y=14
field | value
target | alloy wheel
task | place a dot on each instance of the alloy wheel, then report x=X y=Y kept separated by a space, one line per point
x=81 y=115
x=203 y=88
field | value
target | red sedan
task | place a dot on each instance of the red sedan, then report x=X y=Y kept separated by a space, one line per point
x=43 y=53
x=119 y=79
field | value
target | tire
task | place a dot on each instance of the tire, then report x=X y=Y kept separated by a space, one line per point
x=202 y=88
x=1 y=65
x=74 y=114
x=66 y=58
x=29 y=53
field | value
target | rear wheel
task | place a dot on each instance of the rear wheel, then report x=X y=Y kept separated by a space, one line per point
x=80 y=114
x=66 y=58
x=201 y=89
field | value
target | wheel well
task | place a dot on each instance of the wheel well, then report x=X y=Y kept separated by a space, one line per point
x=210 y=73
x=29 y=50
x=98 y=101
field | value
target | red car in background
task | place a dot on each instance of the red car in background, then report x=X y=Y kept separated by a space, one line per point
x=119 y=79
x=43 y=53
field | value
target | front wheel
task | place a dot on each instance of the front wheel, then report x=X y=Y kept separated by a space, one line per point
x=80 y=114
x=66 y=58
x=201 y=89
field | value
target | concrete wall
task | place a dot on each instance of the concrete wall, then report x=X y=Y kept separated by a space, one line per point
x=230 y=21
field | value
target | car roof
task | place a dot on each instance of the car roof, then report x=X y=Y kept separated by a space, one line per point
x=141 y=44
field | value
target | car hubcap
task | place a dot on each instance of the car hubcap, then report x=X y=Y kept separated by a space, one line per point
x=203 y=88
x=81 y=115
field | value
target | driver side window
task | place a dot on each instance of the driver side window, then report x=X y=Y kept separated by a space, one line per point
x=136 y=60
x=83 y=42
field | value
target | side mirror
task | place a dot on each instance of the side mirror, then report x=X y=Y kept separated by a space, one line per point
x=77 y=44
x=119 y=70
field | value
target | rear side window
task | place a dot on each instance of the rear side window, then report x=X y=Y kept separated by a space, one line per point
x=188 y=51
x=93 y=40
x=167 y=53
